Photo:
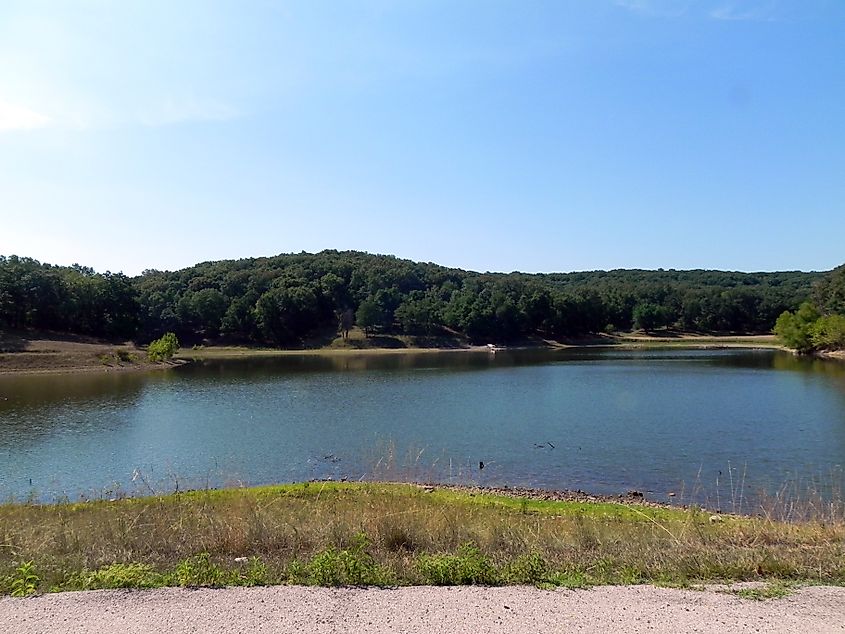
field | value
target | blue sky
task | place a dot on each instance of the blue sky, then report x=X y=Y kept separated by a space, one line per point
x=534 y=136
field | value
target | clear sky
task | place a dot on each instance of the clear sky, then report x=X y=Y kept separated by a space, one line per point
x=489 y=135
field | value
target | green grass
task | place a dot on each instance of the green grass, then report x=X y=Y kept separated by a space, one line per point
x=774 y=590
x=394 y=534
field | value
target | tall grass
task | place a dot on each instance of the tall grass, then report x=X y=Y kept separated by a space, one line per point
x=370 y=533
x=817 y=498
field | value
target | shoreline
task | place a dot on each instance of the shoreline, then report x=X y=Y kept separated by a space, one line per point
x=631 y=498
x=43 y=356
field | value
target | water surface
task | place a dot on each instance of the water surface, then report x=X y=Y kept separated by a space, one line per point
x=603 y=421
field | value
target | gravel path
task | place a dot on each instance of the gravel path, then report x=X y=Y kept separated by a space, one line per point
x=512 y=610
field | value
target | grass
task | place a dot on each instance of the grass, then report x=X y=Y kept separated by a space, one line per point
x=395 y=534
x=774 y=590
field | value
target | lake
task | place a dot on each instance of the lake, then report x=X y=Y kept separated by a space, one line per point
x=712 y=423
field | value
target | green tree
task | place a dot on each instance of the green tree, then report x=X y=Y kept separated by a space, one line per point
x=207 y=308
x=287 y=313
x=418 y=313
x=648 y=316
x=830 y=292
x=828 y=332
x=368 y=316
x=795 y=329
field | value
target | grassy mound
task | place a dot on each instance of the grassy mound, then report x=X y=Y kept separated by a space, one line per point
x=394 y=534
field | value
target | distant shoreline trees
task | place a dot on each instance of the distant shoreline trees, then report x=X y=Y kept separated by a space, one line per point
x=285 y=299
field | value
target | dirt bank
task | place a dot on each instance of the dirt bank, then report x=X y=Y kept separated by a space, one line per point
x=511 y=610
x=45 y=353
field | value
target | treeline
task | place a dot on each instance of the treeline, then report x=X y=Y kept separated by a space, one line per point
x=285 y=299
x=67 y=298
x=818 y=324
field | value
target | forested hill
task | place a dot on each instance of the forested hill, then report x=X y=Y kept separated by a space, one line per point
x=283 y=299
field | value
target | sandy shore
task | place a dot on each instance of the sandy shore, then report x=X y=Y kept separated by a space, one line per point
x=511 y=610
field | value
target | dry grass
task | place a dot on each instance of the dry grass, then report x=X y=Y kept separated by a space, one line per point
x=401 y=534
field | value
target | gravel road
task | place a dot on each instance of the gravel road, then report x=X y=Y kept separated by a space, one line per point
x=512 y=610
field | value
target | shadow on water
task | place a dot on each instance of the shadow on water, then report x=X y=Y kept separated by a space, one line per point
x=458 y=360
x=351 y=362
x=40 y=390
x=35 y=406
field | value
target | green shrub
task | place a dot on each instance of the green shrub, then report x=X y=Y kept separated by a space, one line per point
x=163 y=348
x=469 y=566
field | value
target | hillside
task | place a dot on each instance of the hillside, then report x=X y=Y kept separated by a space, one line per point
x=286 y=299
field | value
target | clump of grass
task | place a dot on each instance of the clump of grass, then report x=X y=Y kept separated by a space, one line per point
x=571 y=579
x=774 y=590
x=125 y=356
x=380 y=534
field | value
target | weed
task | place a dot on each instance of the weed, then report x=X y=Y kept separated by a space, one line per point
x=774 y=590
x=255 y=573
x=25 y=581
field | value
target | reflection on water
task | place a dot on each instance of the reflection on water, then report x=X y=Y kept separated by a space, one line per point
x=600 y=420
